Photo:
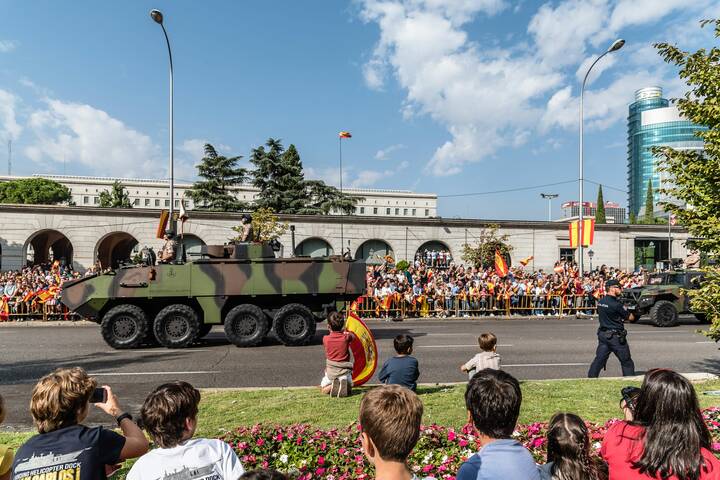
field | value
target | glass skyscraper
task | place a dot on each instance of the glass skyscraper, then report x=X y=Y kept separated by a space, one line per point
x=652 y=121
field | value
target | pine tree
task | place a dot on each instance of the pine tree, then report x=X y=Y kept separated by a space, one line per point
x=220 y=174
x=117 y=197
x=267 y=174
x=649 y=217
x=600 y=208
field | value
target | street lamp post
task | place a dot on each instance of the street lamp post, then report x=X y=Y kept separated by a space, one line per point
x=157 y=16
x=549 y=197
x=591 y=254
x=616 y=45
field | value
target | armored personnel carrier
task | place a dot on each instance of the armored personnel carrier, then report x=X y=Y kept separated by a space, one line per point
x=242 y=286
x=664 y=297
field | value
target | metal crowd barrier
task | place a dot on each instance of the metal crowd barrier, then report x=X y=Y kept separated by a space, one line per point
x=406 y=306
x=24 y=311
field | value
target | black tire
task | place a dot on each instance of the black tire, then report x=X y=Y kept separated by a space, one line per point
x=204 y=330
x=125 y=326
x=294 y=324
x=664 y=314
x=246 y=325
x=176 y=326
x=702 y=317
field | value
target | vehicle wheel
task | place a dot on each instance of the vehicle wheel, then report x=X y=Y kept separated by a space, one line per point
x=176 y=326
x=702 y=317
x=125 y=326
x=664 y=314
x=204 y=330
x=246 y=325
x=294 y=324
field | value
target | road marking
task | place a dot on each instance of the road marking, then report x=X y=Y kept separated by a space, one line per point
x=546 y=365
x=162 y=350
x=110 y=374
x=474 y=345
x=707 y=342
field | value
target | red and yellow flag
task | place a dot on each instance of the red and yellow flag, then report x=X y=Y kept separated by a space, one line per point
x=162 y=224
x=344 y=134
x=586 y=234
x=501 y=267
x=526 y=260
x=364 y=349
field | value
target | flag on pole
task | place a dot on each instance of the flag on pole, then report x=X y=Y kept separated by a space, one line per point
x=364 y=349
x=501 y=267
x=183 y=216
x=584 y=234
x=162 y=224
x=673 y=219
x=344 y=134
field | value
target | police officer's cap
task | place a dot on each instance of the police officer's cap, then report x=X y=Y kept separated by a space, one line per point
x=612 y=283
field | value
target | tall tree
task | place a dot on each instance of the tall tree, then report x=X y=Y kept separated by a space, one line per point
x=116 y=197
x=36 y=191
x=265 y=176
x=219 y=174
x=488 y=242
x=649 y=217
x=695 y=175
x=600 y=207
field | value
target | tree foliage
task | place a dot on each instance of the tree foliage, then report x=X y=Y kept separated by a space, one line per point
x=34 y=191
x=600 y=207
x=116 y=197
x=649 y=217
x=219 y=174
x=695 y=176
x=483 y=253
x=266 y=226
x=279 y=176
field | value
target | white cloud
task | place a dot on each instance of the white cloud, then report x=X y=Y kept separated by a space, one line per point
x=638 y=12
x=9 y=126
x=66 y=131
x=7 y=46
x=383 y=153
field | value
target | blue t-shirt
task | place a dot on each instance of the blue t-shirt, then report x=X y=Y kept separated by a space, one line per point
x=71 y=453
x=400 y=371
x=504 y=459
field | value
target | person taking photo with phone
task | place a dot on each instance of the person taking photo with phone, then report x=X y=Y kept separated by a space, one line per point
x=66 y=449
x=612 y=336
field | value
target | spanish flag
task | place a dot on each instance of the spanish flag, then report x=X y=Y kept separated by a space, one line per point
x=162 y=224
x=364 y=350
x=527 y=260
x=585 y=234
x=344 y=134
x=501 y=267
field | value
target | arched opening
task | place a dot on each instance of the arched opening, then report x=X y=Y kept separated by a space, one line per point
x=374 y=251
x=434 y=253
x=115 y=249
x=47 y=246
x=192 y=245
x=314 y=247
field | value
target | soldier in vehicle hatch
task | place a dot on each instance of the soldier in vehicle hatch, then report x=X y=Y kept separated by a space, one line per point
x=612 y=336
x=169 y=249
x=247 y=234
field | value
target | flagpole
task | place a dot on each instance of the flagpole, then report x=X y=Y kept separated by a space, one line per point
x=342 y=233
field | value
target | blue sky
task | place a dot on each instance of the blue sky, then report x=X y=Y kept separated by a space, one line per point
x=443 y=96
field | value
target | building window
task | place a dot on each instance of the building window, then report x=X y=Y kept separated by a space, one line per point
x=375 y=211
x=414 y=211
x=136 y=202
x=362 y=210
x=96 y=200
x=167 y=203
x=86 y=200
x=387 y=211
x=427 y=212
x=397 y=211
x=404 y=211
x=177 y=203
x=567 y=254
x=147 y=202
x=157 y=202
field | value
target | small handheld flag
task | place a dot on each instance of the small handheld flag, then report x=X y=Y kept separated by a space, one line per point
x=344 y=134
x=501 y=267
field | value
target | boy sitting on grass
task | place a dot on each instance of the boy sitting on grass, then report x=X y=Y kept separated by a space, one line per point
x=487 y=358
x=169 y=415
x=402 y=369
x=390 y=418
x=338 y=368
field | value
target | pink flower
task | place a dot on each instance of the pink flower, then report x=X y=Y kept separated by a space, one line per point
x=321 y=460
x=451 y=435
x=319 y=471
x=463 y=442
x=260 y=442
x=716 y=447
x=537 y=442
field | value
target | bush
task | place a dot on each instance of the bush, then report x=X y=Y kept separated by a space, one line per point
x=402 y=265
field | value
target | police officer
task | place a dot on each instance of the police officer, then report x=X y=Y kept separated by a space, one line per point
x=612 y=336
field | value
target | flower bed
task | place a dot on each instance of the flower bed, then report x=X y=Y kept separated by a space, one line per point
x=309 y=453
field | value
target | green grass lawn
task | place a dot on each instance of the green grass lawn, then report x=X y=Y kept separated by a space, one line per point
x=595 y=401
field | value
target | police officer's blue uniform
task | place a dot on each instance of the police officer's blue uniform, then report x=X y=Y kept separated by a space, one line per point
x=612 y=337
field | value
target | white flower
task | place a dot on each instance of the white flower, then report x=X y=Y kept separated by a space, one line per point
x=444 y=459
x=426 y=459
x=284 y=458
x=596 y=445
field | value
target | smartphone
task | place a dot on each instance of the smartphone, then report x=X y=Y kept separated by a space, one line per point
x=99 y=395
x=630 y=394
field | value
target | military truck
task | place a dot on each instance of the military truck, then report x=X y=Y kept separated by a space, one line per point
x=242 y=286
x=663 y=297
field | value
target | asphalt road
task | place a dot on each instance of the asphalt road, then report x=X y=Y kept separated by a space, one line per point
x=530 y=349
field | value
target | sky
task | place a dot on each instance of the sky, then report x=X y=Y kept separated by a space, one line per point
x=459 y=98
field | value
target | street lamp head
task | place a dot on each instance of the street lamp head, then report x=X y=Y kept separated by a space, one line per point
x=157 y=16
x=617 y=45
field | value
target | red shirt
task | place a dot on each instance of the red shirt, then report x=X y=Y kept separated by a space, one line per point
x=623 y=445
x=337 y=346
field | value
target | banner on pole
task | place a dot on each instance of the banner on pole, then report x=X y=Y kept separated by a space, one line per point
x=584 y=234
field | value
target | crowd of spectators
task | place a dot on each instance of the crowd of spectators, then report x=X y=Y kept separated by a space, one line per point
x=441 y=290
x=33 y=290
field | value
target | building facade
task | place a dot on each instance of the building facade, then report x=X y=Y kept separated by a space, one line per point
x=83 y=236
x=614 y=213
x=154 y=194
x=653 y=122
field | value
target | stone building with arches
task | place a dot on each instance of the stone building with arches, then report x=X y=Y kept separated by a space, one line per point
x=83 y=236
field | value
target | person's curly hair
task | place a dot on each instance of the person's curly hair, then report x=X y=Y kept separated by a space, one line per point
x=60 y=398
x=164 y=412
